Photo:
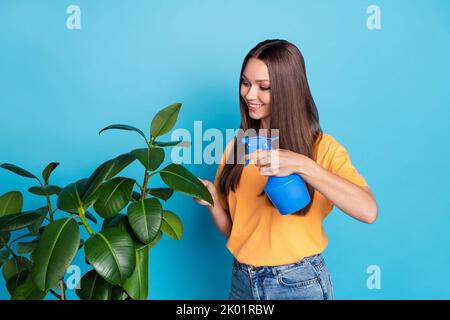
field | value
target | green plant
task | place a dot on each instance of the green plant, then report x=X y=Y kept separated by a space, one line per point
x=133 y=222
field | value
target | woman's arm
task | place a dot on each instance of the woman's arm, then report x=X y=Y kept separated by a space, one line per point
x=357 y=202
x=221 y=219
x=220 y=216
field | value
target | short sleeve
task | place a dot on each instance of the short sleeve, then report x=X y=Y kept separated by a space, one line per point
x=222 y=197
x=340 y=164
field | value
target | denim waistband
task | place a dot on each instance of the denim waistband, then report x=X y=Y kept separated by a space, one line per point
x=315 y=260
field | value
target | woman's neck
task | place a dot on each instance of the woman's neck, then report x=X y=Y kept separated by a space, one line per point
x=265 y=123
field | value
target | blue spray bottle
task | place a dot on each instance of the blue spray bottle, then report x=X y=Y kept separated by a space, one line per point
x=288 y=194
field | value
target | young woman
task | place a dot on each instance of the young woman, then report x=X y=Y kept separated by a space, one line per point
x=279 y=256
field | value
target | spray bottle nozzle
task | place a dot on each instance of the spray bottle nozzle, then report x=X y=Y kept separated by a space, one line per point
x=252 y=144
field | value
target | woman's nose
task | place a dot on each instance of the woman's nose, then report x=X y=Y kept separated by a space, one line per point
x=252 y=93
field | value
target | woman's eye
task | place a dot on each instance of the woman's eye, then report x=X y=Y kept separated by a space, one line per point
x=246 y=84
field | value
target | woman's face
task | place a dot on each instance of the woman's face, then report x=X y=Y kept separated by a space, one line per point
x=255 y=89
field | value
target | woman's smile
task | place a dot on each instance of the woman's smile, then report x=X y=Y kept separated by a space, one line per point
x=254 y=106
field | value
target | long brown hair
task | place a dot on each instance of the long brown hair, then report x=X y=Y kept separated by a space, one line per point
x=293 y=110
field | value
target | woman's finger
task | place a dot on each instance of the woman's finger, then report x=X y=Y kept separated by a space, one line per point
x=265 y=171
x=264 y=161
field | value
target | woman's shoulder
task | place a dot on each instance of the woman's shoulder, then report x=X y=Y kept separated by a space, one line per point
x=326 y=143
x=325 y=140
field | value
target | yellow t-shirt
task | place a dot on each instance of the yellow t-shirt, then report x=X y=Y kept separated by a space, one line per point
x=260 y=235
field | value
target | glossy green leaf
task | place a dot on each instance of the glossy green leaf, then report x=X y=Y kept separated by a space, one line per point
x=28 y=235
x=34 y=228
x=28 y=291
x=179 y=143
x=4 y=256
x=4 y=238
x=121 y=221
x=26 y=247
x=111 y=253
x=14 y=266
x=124 y=127
x=104 y=172
x=54 y=253
x=114 y=195
x=10 y=202
x=162 y=193
x=118 y=293
x=18 y=221
x=135 y=196
x=45 y=191
x=137 y=284
x=94 y=287
x=69 y=198
x=151 y=158
x=172 y=225
x=17 y=280
x=145 y=218
x=41 y=230
x=180 y=179
x=48 y=170
x=164 y=120
x=18 y=170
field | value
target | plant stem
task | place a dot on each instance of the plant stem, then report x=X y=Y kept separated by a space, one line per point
x=55 y=294
x=49 y=207
x=85 y=222
x=47 y=198
x=8 y=247
x=62 y=290
x=156 y=172
x=144 y=185
x=140 y=187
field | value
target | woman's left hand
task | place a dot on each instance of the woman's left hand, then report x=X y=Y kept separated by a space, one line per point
x=280 y=162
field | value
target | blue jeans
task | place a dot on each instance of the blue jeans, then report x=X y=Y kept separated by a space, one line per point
x=307 y=279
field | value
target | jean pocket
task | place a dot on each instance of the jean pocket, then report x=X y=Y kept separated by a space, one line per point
x=303 y=276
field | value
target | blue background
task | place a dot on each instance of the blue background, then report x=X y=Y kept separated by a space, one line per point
x=382 y=93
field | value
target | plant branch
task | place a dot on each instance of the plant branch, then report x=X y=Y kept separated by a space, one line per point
x=62 y=290
x=139 y=186
x=55 y=294
x=144 y=185
x=152 y=139
x=8 y=247
x=156 y=172
x=85 y=222
x=49 y=207
x=42 y=186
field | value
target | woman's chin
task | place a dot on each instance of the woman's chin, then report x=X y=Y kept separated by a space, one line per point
x=256 y=116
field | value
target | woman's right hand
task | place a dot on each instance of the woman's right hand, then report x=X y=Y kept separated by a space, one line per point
x=212 y=189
